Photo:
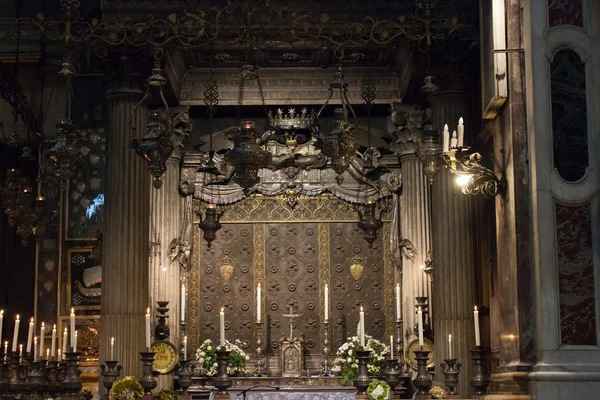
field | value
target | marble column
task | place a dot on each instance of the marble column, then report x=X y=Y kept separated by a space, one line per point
x=126 y=210
x=165 y=284
x=454 y=255
x=415 y=222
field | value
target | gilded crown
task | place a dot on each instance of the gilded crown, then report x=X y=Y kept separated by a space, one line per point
x=292 y=120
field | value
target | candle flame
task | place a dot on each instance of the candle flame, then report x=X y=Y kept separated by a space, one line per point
x=361 y=309
x=112 y=340
x=34 y=340
x=422 y=267
x=65 y=331
x=148 y=311
x=54 y=328
x=185 y=339
x=17 y=317
x=21 y=346
x=475 y=308
x=75 y=333
x=31 y=320
x=222 y=309
x=43 y=325
x=419 y=308
x=72 y=311
x=1 y=312
x=460 y=121
x=449 y=337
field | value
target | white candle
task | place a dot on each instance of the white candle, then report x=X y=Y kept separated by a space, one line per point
x=47 y=354
x=34 y=349
x=16 y=334
x=222 y=326
x=326 y=311
x=258 y=300
x=445 y=139
x=477 y=336
x=59 y=355
x=183 y=301
x=422 y=281
x=391 y=346
x=20 y=350
x=148 y=328
x=30 y=335
x=72 y=319
x=461 y=132
x=1 y=321
x=453 y=141
x=112 y=349
x=362 y=326
x=75 y=344
x=420 y=322
x=42 y=337
x=5 y=348
x=185 y=348
x=450 y=347
x=64 y=344
x=53 y=345
x=398 y=310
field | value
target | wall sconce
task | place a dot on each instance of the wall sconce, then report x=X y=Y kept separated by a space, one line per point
x=471 y=176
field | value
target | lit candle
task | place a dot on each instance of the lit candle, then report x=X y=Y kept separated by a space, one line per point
x=398 y=310
x=148 y=328
x=53 y=345
x=20 y=350
x=422 y=281
x=1 y=321
x=16 y=334
x=222 y=326
x=420 y=322
x=477 y=336
x=75 y=344
x=326 y=311
x=391 y=346
x=42 y=337
x=461 y=132
x=450 y=347
x=59 y=355
x=445 y=139
x=258 y=305
x=5 y=347
x=453 y=141
x=185 y=348
x=30 y=335
x=362 y=326
x=183 y=301
x=47 y=354
x=64 y=346
x=112 y=348
x=72 y=320
x=35 y=349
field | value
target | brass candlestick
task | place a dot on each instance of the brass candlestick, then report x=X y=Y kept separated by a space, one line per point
x=362 y=380
x=148 y=382
x=222 y=381
x=326 y=349
x=422 y=381
x=52 y=377
x=259 y=367
x=14 y=383
x=162 y=330
x=110 y=373
x=35 y=377
x=184 y=376
x=480 y=380
x=72 y=382
x=451 y=371
x=392 y=373
x=61 y=372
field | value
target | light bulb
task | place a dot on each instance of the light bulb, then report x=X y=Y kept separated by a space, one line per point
x=463 y=180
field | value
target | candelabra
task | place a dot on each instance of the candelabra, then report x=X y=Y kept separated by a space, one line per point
x=184 y=376
x=451 y=371
x=423 y=304
x=362 y=380
x=222 y=381
x=61 y=371
x=52 y=375
x=259 y=368
x=422 y=381
x=326 y=349
x=392 y=373
x=161 y=330
x=34 y=377
x=148 y=382
x=480 y=380
x=110 y=373
x=72 y=382
x=399 y=344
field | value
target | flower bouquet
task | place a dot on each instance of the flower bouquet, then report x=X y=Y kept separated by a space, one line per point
x=437 y=391
x=207 y=357
x=378 y=390
x=128 y=388
x=347 y=364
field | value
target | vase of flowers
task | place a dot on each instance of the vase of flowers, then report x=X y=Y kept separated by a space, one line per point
x=207 y=357
x=378 y=390
x=128 y=388
x=346 y=362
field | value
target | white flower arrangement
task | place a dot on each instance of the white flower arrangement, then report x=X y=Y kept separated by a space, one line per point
x=347 y=364
x=378 y=390
x=207 y=357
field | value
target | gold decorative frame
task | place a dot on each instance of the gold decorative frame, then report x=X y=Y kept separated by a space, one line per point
x=69 y=285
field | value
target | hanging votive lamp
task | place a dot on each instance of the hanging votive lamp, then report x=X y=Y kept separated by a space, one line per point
x=246 y=155
x=210 y=224
x=370 y=223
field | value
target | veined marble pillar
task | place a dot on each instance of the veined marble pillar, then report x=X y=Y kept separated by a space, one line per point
x=415 y=222
x=165 y=212
x=125 y=237
x=454 y=255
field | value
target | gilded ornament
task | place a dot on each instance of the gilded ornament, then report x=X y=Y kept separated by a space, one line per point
x=357 y=269
x=226 y=269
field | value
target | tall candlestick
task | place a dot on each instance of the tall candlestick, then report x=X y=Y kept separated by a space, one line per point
x=72 y=320
x=53 y=345
x=30 y=335
x=258 y=300
x=362 y=326
x=445 y=139
x=461 y=132
x=75 y=344
x=450 y=347
x=42 y=337
x=148 y=328
x=183 y=301
x=64 y=344
x=398 y=309
x=420 y=322
x=16 y=334
x=391 y=346
x=222 y=326
x=326 y=296
x=1 y=322
x=34 y=349
x=20 y=350
x=477 y=336
x=185 y=348
x=112 y=349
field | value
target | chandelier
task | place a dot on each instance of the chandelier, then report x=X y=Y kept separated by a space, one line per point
x=471 y=176
x=32 y=216
x=157 y=145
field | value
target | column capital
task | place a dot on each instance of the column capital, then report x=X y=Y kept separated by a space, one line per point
x=124 y=79
x=408 y=125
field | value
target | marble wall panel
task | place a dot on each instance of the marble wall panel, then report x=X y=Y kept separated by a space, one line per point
x=576 y=274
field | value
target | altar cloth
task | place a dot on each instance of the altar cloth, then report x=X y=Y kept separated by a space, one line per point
x=294 y=394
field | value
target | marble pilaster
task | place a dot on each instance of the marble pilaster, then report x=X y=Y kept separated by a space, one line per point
x=454 y=255
x=125 y=270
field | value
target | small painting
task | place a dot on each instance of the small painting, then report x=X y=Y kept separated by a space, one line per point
x=85 y=280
